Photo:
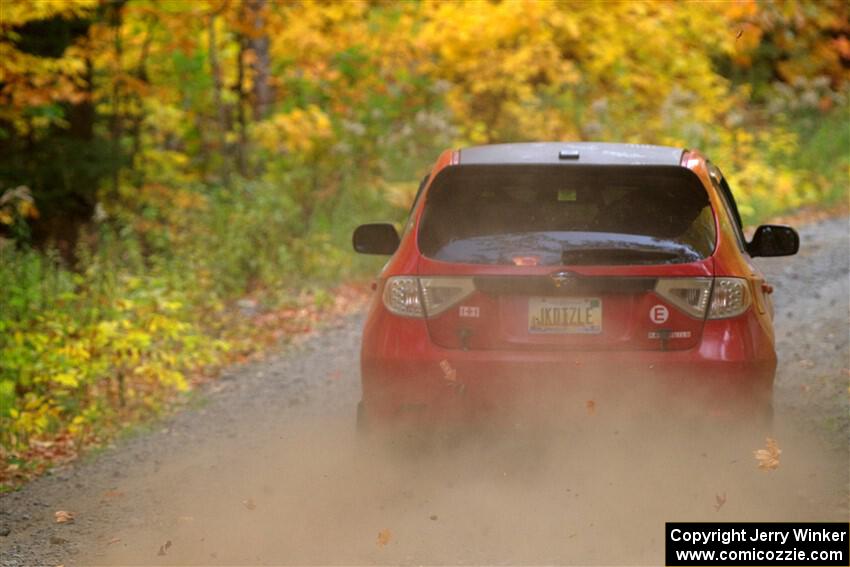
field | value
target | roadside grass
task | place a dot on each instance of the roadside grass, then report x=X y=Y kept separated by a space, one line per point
x=147 y=314
x=252 y=336
x=823 y=150
x=797 y=163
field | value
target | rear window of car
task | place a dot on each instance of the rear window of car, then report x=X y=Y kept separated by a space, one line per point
x=555 y=215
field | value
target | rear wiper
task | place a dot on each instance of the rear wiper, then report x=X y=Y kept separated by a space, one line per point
x=618 y=255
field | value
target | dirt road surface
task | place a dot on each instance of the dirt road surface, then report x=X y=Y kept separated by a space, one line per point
x=267 y=469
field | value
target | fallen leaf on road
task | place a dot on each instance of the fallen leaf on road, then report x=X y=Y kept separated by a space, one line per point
x=163 y=548
x=591 y=407
x=720 y=501
x=384 y=537
x=64 y=517
x=249 y=504
x=113 y=494
x=449 y=373
x=768 y=458
x=113 y=540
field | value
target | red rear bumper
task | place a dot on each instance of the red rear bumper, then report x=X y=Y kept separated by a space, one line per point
x=405 y=376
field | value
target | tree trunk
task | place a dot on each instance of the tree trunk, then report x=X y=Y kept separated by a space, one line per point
x=239 y=88
x=141 y=73
x=263 y=93
x=221 y=111
x=115 y=127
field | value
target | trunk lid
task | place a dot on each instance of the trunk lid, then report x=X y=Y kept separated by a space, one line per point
x=565 y=258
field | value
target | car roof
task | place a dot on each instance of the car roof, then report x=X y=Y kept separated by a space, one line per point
x=592 y=153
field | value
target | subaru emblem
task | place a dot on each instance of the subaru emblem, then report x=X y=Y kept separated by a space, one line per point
x=560 y=278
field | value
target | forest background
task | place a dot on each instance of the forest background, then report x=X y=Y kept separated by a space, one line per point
x=168 y=165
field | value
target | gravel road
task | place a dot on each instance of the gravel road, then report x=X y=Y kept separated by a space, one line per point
x=266 y=469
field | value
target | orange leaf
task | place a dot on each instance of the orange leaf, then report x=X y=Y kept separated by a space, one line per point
x=719 y=501
x=768 y=458
x=64 y=517
x=449 y=373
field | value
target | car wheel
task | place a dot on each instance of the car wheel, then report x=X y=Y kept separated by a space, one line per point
x=362 y=424
x=764 y=416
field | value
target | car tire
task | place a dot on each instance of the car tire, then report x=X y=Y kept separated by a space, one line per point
x=362 y=424
x=764 y=417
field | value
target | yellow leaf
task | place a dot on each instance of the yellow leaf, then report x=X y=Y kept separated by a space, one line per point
x=66 y=379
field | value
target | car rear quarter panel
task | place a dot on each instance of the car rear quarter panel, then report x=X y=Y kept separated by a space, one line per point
x=755 y=328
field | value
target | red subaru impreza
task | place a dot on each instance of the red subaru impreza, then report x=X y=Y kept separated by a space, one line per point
x=565 y=276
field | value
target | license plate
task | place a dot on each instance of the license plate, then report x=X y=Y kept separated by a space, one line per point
x=578 y=315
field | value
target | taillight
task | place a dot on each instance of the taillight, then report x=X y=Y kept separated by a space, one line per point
x=719 y=298
x=401 y=296
x=729 y=298
x=688 y=294
x=409 y=296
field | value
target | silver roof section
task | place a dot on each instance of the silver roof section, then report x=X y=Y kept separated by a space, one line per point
x=592 y=153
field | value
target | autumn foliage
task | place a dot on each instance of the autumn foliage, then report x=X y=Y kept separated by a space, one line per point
x=161 y=160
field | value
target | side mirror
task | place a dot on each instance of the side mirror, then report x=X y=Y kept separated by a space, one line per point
x=375 y=238
x=774 y=240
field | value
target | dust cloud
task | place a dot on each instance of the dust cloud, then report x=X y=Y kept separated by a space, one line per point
x=595 y=488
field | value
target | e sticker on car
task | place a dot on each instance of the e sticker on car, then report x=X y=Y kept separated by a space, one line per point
x=659 y=314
